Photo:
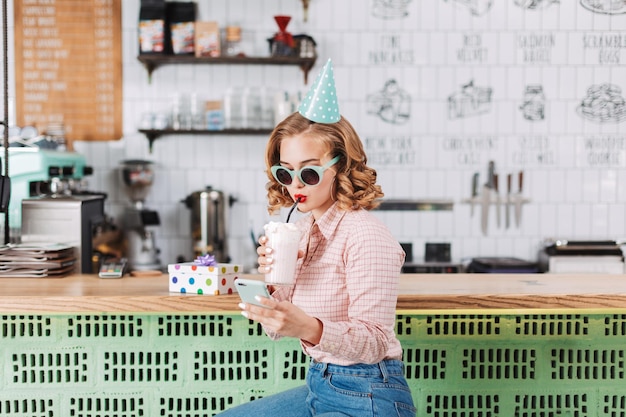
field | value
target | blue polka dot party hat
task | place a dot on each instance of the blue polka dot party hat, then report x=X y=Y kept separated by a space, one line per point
x=320 y=104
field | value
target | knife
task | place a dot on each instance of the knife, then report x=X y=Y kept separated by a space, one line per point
x=518 y=199
x=507 y=213
x=486 y=198
x=497 y=192
x=474 y=193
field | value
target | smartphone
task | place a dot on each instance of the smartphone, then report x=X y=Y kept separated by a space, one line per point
x=250 y=288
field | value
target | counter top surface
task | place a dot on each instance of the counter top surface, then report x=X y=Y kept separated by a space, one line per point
x=89 y=293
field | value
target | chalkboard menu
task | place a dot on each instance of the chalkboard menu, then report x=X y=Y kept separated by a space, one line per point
x=68 y=67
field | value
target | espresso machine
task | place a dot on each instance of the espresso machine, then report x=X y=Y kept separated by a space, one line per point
x=139 y=223
x=74 y=220
x=51 y=203
x=39 y=172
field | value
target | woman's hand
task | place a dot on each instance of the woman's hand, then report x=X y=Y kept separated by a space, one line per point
x=265 y=256
x=284 y=318
x=264 y=260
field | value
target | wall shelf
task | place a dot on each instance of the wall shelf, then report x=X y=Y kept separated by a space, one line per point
x=416 y=205
x=153 y=61
x=154 y=134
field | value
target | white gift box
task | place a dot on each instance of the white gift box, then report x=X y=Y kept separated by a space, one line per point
x=192 y=278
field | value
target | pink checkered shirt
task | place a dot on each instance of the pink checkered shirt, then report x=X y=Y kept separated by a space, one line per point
x=349 y=280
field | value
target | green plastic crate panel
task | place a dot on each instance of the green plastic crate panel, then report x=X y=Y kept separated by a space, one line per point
x=458 y=365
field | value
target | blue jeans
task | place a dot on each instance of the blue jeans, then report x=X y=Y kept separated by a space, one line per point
x=378 y=390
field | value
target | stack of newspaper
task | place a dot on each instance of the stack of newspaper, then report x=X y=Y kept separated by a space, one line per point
x=35 y=260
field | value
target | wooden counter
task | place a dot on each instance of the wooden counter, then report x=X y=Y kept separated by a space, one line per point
x=473 y=344
x=88 y=293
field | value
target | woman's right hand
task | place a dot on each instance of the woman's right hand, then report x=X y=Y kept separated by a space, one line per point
x=265 y=256
x=264 y=260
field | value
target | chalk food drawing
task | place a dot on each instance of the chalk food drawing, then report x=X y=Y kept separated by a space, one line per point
x=604 y=103
x=392 y=104
x=390 y=9
x=471 y=100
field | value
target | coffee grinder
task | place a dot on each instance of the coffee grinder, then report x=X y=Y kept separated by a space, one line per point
x=140 y=222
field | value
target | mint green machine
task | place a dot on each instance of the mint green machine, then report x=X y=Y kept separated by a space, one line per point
x=35 y=171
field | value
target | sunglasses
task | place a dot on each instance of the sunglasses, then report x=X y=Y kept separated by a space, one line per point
x=309 y=175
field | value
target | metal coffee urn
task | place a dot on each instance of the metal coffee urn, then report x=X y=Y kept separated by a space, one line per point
x=209 y=222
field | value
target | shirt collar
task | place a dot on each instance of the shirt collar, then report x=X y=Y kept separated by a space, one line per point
x=329 y=221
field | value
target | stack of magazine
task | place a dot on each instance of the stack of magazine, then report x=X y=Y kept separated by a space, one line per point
x=33 y=260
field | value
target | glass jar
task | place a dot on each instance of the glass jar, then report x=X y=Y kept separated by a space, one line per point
x=233 y=41
x=233 y=108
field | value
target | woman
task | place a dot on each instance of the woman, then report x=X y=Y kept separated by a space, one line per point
x=343 y=304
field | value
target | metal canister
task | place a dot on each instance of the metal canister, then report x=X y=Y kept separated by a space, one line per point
x=209 y=223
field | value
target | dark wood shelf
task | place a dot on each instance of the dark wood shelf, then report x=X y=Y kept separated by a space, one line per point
x=416 y=205
x=153 y=61
x=154 y=134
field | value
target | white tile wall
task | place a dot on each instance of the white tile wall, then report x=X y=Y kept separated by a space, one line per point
x=572 y=192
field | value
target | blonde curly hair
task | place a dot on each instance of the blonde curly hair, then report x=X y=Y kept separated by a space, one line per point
x=355 y=183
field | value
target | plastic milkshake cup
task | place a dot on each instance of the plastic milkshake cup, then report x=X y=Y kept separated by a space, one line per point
x=284 y=239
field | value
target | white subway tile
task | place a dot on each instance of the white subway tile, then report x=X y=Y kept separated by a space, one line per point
x=564 y=192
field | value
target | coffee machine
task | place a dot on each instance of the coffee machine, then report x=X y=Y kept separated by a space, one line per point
x=39 y=172
x=75 y=220
x=51 y=202
x=139 y=222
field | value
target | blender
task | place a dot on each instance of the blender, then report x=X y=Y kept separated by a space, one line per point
x=140 y=222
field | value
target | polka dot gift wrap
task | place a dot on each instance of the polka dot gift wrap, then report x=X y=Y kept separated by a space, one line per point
x=192 y=278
